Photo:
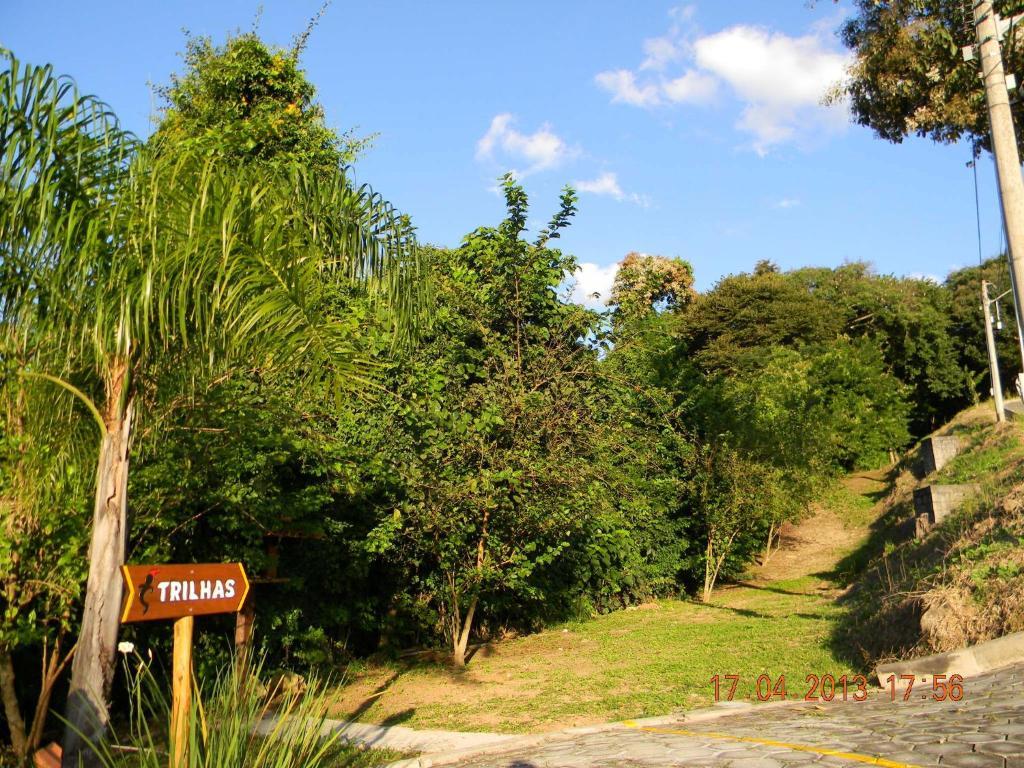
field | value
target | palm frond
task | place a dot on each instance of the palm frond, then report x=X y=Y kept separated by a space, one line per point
x=123 y=253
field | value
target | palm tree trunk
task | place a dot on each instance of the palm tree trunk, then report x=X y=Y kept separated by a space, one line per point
x=92 y=671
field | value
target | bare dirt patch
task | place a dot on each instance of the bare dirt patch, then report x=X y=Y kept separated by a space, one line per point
x=817 y=543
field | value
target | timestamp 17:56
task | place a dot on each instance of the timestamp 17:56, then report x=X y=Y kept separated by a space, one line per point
x=831 y=688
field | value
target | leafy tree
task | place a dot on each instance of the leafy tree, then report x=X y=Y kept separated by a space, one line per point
x=42 y=535
x=296 y=473
x=861 y=408
x=249 y=102
x=271 y=471
x=728 y=495
x=500 y=407
x=967 y=323
x=789 y=377
x=725 y=330
x=767 y=416
x=645 y=283
x=909 y=76
x=182 y=261
x=648 y=450
x=909 y=321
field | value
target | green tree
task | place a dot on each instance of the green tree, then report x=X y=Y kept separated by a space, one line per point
x=909 y=76
x=791 y=378
x=907 y=319
x=43 y=529
x=250 y=102
x=499 y=408
x=180 y=261
x=297 y=473
x=861 y=408
x=728 y=498
x=726 y=330
x=967 y=323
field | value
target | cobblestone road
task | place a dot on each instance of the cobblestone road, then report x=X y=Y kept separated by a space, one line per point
x=983 y=730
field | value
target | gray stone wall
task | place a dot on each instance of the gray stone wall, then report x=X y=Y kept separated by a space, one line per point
x=933 y=503
x=936 y=452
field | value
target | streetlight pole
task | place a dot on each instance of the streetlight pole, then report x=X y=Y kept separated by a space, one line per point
x=993 y=360
x=1004 y=147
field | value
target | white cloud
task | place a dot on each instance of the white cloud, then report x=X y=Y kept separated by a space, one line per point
x=683 y=12
x=592 y=284
x=779 y=79
x=540 y=150
x=786 y=202
x=608 y=184
x=771 y=68
x=693 y=87
x=660 y=51
x=605 y=184
x=623 y=87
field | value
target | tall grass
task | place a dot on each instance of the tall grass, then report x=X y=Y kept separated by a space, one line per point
x=235 y=722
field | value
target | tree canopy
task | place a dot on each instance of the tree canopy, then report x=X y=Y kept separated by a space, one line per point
x=909 y=76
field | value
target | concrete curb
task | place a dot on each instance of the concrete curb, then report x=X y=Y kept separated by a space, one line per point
x=724 y=709
x=976 y=660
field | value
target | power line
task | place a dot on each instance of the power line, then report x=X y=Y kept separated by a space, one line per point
x=977 y=203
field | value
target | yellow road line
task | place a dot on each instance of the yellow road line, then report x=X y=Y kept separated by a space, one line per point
x=772 y=743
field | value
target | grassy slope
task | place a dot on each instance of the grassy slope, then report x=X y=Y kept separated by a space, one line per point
x=648 y=660
x=969 y=572
x=632 y=663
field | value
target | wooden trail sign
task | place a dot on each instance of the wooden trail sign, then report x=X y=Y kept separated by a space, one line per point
x=181 y=592
x=154 y=592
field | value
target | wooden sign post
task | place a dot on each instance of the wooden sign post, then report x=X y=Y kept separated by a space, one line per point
x=181 y=592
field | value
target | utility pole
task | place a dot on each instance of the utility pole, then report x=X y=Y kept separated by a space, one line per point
x=1004 y=147
x=993 y=360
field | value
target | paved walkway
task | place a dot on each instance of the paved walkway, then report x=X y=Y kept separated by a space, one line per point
x=985 y=729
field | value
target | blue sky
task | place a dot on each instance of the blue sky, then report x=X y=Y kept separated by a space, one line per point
x=691 y=130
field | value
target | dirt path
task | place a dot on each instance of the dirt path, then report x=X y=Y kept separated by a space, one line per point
x=818 y=543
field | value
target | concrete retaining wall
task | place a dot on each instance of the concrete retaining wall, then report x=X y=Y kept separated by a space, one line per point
x=1014 y=410
x=936 y=452
x=933 y=503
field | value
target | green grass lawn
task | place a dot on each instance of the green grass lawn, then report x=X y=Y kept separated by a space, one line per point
x=646 y=661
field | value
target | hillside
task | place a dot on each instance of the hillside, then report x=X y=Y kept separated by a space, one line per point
x=962 y=583
x=849 y=587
